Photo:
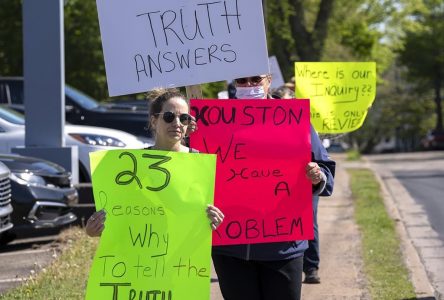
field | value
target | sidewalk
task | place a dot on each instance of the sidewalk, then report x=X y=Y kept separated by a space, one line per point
x=341 y=264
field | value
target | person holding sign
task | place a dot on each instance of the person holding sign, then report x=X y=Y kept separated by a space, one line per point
x=270 y=270
x=169 y=120
x=312 y=254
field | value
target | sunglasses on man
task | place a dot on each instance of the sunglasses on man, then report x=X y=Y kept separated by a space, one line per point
x=169 y=117
x=255 y=80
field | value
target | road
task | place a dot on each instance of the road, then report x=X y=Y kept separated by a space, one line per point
x=24 y=257
x=416 y=183
x=427 y=188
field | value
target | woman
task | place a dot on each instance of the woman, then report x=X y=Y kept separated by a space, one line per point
x=169 y=120
x=270 y=270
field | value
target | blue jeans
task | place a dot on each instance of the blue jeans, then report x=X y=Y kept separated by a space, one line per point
x=311 y=255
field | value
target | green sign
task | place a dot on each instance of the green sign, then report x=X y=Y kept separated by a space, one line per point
x=157 y=238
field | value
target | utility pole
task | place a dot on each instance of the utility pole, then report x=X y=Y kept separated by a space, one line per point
x=44 y=84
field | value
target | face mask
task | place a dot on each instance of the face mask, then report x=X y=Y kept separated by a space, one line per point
x=254 y=92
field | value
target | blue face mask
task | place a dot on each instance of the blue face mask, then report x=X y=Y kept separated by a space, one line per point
x=253 y=92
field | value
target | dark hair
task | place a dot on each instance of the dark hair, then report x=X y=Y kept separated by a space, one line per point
x=157 y=99
x=280 y=92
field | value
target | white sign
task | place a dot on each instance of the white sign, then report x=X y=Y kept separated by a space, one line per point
x=172 y=43
x=276 y=74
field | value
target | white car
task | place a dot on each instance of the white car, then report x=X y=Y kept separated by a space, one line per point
x=87 y=138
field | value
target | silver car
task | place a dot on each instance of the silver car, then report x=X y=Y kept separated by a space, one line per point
x=5 y=200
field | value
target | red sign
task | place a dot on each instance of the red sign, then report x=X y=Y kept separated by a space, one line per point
x=262 y=147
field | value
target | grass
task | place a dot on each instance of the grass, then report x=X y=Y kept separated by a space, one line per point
x=387 y=276
x=66 y=277
x=353 y=155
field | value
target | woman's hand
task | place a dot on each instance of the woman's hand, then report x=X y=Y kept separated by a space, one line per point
x=215 y=215
x=314 y=173
x=95 y=223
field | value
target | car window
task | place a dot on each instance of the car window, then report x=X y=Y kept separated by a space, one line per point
x=3 y=97
x=80 y=98
x=16 y=92
x=12 y=116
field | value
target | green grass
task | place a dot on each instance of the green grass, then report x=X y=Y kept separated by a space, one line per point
x=387 y=276
x=66 y=277
x=353 y=155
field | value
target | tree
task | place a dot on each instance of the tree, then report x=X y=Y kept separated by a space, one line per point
x=423 y=54
x=85 y=68
x=83 y=53
x=310 y=44
x=11 y=61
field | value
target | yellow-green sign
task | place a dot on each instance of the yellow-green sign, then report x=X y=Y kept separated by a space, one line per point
x=340 y=93
x=157 y=238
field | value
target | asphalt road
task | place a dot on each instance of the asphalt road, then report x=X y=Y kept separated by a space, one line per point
x=427 y=188
x=24 y=257
x=32 y=251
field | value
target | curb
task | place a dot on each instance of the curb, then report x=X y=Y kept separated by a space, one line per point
x=418 y=274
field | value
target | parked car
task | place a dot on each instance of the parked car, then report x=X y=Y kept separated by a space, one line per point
x=81 y=109
x=386 y=144
x=5 y=201
x=434 y=140
x=87 y=138
x=42 y=193
x=336 y=147
x=127 y=104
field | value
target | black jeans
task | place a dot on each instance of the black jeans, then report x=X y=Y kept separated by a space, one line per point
x=311 y=255
x=259 y=280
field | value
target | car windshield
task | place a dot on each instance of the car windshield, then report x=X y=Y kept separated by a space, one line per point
x=11 y=116
x=80 y=98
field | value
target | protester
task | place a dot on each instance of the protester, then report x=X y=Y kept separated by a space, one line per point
x=282 y=92
x=169 y=120
x=290 y=84
x=312 y=254
x=270 y=270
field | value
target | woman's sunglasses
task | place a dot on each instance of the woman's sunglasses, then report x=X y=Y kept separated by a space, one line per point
x=169 y=117
x=253 y=80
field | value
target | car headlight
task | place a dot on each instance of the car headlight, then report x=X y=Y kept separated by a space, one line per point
x=97 y=140
x=27 y=178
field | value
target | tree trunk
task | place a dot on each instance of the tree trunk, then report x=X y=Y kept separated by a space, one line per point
x=438 y=83
x=310 y=45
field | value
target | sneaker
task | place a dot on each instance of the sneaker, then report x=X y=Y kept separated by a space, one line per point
x=311 y=276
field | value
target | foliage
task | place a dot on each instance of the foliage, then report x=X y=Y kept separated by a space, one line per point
x=397 y=113
x=423 y=54
x=351 y=31
x=386 y=273
x=11 y=38
x=83 y=54
x=353 y=155
x=210 y=90
x=84 y=62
